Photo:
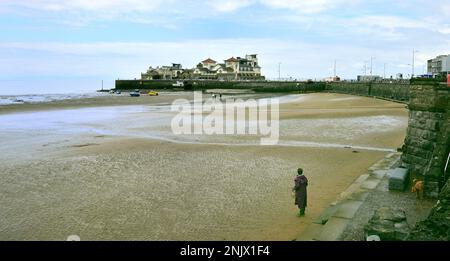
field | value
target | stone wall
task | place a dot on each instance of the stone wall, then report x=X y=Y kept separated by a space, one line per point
x=395 y=90
x=398 y=91
x=427 y=142
x=356 y=88
x=261 y=86
x=143 y=84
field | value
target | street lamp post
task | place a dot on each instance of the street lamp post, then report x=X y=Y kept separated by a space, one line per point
x=413 y=60
x=334 y=68
x=279 y=71
x=371 y=65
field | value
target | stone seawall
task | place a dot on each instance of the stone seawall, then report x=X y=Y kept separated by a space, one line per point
x=261 y=86
x=427 y=142
x=396 y=90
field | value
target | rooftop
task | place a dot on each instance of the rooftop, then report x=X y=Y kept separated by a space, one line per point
x=209 y=60
x=232 y=59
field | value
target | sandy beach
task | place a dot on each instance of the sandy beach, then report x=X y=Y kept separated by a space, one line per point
x=111 y=169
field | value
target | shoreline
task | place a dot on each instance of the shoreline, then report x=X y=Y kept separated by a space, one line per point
x=99 y=101
x=164 y=98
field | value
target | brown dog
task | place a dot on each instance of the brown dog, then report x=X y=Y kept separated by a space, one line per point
x=417 y=188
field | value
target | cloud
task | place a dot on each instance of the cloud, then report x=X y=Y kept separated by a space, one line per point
x=128 y=59
x=390 y=22
x=83 y=12
x=444 y=30
x=305 y=36
x=43 y=62
x=304 y=6
x=230 y=5
x=87 y=5
x=299 y=6
x=122 y=9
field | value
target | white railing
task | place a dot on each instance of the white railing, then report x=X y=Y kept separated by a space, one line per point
x=446 y=164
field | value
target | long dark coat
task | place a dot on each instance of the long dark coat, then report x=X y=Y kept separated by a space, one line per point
x=301 y=182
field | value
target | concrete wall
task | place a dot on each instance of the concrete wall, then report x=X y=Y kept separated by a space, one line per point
x=427 y=142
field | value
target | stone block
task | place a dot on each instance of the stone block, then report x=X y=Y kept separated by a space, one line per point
x=333 y=229
x=388 y=224
x=379 y=174
x=347 y=209
x=398 y=179
x=370 y=183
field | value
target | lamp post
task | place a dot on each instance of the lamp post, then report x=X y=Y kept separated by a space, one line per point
x=279 y=71
x=413 y=60
x=371 y=65
x=334 y=68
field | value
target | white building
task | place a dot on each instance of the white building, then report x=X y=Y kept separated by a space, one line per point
x=163 y=72
x=232 y=69
x=438 y=65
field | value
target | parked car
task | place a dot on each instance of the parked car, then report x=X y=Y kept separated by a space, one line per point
x=178 y=84
x=135 y=93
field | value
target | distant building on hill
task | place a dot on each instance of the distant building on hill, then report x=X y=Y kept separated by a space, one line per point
x=231 y=69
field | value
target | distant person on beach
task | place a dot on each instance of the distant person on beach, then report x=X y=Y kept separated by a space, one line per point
x=301 y=182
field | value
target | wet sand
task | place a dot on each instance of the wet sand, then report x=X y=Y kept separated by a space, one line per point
x=105 y=100
x=104 y=179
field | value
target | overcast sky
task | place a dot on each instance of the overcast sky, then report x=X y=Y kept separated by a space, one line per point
x=49 y=46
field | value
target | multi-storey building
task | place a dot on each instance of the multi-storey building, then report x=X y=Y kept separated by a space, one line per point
x=231 y=69
x=439 y=65
x=164 y=72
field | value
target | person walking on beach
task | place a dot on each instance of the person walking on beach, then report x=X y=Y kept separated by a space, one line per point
x=301 y=182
